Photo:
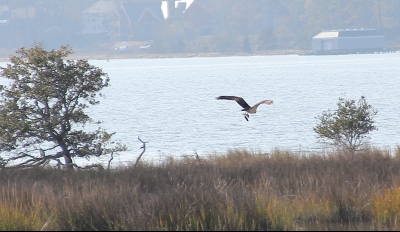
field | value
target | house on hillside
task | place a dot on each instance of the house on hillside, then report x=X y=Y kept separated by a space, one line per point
x=357 y=40
x=100 y=18
x=173 y=11
x=134 y=20
x=144 y=19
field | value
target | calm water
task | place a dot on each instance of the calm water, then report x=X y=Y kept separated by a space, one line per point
x=170 y=103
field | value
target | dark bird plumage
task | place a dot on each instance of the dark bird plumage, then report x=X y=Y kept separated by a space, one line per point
x=243 y=103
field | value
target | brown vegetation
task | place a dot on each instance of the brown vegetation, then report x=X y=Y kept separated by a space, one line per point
x=240 y=190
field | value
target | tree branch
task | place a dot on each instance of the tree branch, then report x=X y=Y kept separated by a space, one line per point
x=109 y=162
x=140 y=156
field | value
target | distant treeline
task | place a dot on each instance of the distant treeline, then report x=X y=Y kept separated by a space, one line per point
x=264 y=24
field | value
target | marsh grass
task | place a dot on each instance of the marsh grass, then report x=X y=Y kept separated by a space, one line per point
x=238 y=190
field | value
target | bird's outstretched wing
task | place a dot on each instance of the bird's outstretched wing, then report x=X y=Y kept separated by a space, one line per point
x=268 y=102
x=239 y=100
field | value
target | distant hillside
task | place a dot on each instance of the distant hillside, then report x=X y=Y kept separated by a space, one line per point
x=205 y=26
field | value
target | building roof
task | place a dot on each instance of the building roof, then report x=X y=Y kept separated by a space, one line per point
x=102 y=6
x=347 y=33
x=136 y=10
x=327 y=34
x=199 y=4
x=358 y=33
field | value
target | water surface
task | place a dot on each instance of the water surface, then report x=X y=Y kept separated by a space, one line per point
x=170 y=103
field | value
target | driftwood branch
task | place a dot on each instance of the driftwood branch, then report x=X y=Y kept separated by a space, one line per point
x=197 y=156
x=33 y=161
x=43 y=159
x=109 y=162
x=140 y=156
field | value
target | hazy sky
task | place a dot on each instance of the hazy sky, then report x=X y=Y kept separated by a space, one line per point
x=164 y=6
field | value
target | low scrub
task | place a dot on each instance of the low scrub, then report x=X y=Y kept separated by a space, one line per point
x=239 y=190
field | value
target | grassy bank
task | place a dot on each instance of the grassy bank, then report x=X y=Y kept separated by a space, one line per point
x=101 y=55
x=238 y=191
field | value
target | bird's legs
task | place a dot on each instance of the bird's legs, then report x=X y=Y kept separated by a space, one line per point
x=246 y=116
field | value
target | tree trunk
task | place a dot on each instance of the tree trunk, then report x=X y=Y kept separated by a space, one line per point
x=67 y=156
x=68 y=161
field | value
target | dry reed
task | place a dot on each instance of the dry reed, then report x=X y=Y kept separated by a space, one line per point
x=239 y=190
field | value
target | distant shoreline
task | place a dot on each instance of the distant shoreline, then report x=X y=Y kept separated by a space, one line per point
x=103 y=56
x=115 y=56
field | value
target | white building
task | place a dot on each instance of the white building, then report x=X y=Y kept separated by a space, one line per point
x=348 y=40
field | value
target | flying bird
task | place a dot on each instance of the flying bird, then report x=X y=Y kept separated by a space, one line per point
x=246 y=107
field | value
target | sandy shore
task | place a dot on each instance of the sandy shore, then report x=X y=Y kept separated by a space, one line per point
x=103 y=56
